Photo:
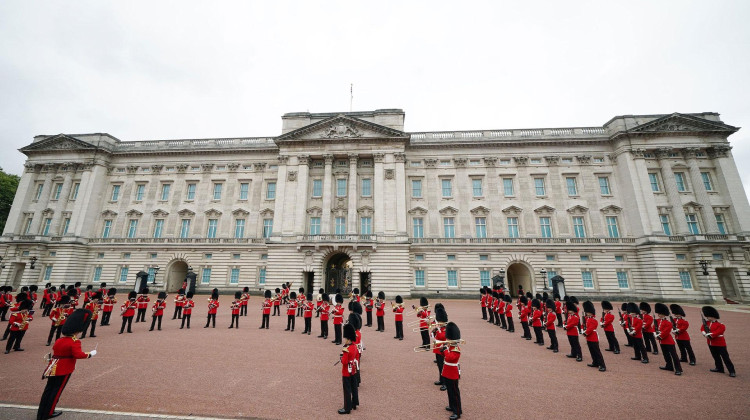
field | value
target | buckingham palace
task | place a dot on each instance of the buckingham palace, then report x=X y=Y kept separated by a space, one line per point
x=647 y=206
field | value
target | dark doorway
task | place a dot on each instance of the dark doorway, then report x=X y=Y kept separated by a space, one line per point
x=309 y=281
x=17 y=274
x=339 y=274
x=518 y=275
x=176 y=274
x=364 y=282
x=727 y=282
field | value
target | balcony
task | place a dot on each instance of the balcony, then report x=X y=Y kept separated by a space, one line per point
x=553 y=241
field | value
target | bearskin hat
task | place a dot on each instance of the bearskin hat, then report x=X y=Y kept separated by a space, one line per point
x=538 y=296
x=321 y=291
x=112 y=291
x=529 y=295
x=571 y=307
x=423 y=301
x=267 y=294
x=33 y=288
x=162 y=295
x=89 y=286
x=588 y=307
x=309 y=296
x=566 y=298
x=661 y=309
x=46 y=286
x=189 y=295
x=483 y=290
x=338 y=290
x=452 y=332
x=440 y=314
x=326 y=298
x=301 y=290
x=132 y=295
x=278 y=290
x=399 y=299
x=215 y=294
x=339 y=298
x=524 y=300
x=710 y=312
x=349 y=333
x=557 y=296
x=607 y=305
x=53 y=289
x=355 y=320
x=283 y=286
x=24 y=288
x=145 y=291
x=494 y=294
x=550 y=304
x=78 y=284
x=237 y=295
x=355 y=291
x=181 y=292
x=381 y=295
x=349 y=306
x=21 y=296
x=356 y=308
x=535 y=303
x=72 y=292
x=645 y=307
x=97 y=296
x=632 y=308
x=624 y=307
x=64 y=300
x=293 y=295
x=677 y=309
x=368 y=294
x=78 y=321
x=26 y=305
x=545 y=296
x=103 y=285
x=574 y=300
x=507 y=298
x=245 y=289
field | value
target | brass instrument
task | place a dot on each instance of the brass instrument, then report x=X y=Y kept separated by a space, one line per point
x=435 y=344
x=24 y=322
x=394 y=305
x=429 y=319
x=61 y=318
x=235 y=304
x=128 y=306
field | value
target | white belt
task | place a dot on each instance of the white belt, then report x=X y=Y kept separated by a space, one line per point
x=450 y=364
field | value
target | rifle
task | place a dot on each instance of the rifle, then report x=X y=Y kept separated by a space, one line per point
x=706 y=328
x=621 y=318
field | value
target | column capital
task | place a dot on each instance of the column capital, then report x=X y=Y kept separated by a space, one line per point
x=460 y=162
x=662 y=152
x=303 y=159
x=328 y=159
x=719 y=151
x=431 y=163
x=521 y=160
x=260 y=166
x=490 y=161
x=353 y=157
x=552 y=160
x=638 y=153
x=400 y=157
x=378 y=157
x=690 y=152
x=283 y=159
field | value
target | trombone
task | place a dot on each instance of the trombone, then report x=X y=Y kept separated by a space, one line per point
x=436 y=344
x=430 y=326
x=428 y=320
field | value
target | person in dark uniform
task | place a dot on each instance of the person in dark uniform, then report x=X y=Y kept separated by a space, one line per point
x=398 y=309
x=380 y=311
x=369 y=304
x=128 y=311
x=235 y=308
x=349 y=356
x=536 y=321
x=143 y=301
x=649 y=328
x=277 y=303
x=291 y=309
x=592 y=337
x=664 y=335
x=301 y=301
x=307 y=312
x=62 y=363
x=509 y=313
x=213 y=308
x=451 y=372
x=681 y=335
x=571 y=328
x=483 y=302
x=338 y=318
x=549 y=325
x=266 y=310
x=157 y=312
x=558 y=310
x=635 y=330
x=187 y=309
x=714 y=330
x=523 y=316
x=245 y=299
x=179 y=301
x=607 y=324
x=438 y=334
x=355 y=318
x=625 y=322
x=324 y=310
x=319 y=301
x=423 y=312
x=19 y=323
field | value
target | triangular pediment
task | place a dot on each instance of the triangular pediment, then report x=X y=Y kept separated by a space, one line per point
x=341 y=127
x=480 y=211
x=448 y=210
x=512 y=210
x=418 y=210
x=683 y=124
x=578 y=209
x=240 y=212
x=58 y=142
x=544 y=209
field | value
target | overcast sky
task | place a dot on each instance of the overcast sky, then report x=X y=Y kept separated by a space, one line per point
x=186 y=69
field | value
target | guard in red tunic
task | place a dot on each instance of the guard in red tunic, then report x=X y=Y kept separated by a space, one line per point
x=509 y=313
x=6 y=300
x=423 y=312
x=664 y=335
x=680 y=328
x=592 y=337
x=319 y=301
x=157 y=310
x=77 y=288
x=338 y=318
x=714 y=330
x=523 y=316
x=95 y=306
x=187 y=309
x=649 y=327
x=266 y=309
x=536 y=321
x=213 y=307
x=20 y=297
x=108 y=305
x=625 y=322
x=73 y=293
x=501 y=310
x=57 y=316
x=143 y=301
x=235 y=309
x=277 y=302
x=571 y=328
x=19 y=324
x=307 y=312
x=438 y=334
x=451 y=372
x=300 y=300
x=324 y=310
x=607 y=324
x=635 y=330
x=380 y=311
x=355 y=318
x=398 y=309
x=291 y=309
x=483 y=303
x=349 y=356
x=559 y=310
x=87 y=296
x=244 y=300
x=179 y=301
x=492 y=308
x=369 y=304
x=549 y=325
x=128 y=311
x=62 y=363
x=48 y=298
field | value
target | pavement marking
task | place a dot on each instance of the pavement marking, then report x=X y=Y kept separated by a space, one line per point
x=117 y=413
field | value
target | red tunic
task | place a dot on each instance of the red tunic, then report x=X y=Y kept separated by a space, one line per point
x=380 y=309
x=369 y=304
x=483 y=300
x=607 y=319
x=236 y=307
x=325 y=309
x=130 y=311
x=20 y=322
x=308 y=309
x=338 y=315
x=550 y=322
x=648 y=323
x=158 y=308
x=213 y=306
x=399 y=310
x=591 y=326
x=179 y=300
x=109 y=303
x=665 y=332
x=93 y=306
x=54 y=315
x=536 y=318
x=524 y=314
x=450 y=364
x=637 y=325
x=349 y=355
x=508 y=311
x=277 y=302
x=439 y=336
x=66 y=351
x=501 y=307
x=558 y=307
x=717 y=334
x=682 y=327
x=187 y=307
x=423 y=314
x=267 y=306
x=571 y=327
x=291 y=308
x=245 y=299
x=143 y=301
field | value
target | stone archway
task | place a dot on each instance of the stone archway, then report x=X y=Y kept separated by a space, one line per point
x=338 y=273
x=519 y=274
x=176 y=272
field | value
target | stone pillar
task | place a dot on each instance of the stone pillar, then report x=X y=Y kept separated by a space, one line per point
x=494 y=196
x=63 y=201
x=302 y=186
x=701 y=195
x=278 y=210
x=400 y=193
x=730 y=182
x=49 y=170
x=670 y=186
x=379 y=193
x=351 y=224
x=325 y=217
x=88 y=207
x=634 y=174
x=432 y=193
x=25 y=193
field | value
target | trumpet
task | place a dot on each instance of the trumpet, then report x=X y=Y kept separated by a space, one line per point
x=418 y=321
x=436 y=344
x=394 y=305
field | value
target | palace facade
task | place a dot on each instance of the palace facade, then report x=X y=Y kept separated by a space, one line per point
x=342 y=200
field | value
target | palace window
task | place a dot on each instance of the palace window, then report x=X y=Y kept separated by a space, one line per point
x=151 y=275
x=508 y=187
x=654 y=180
x=123 y=274
x=579 y=230
x=720 y=224
x=267 y=228
x=679 y=178
x=140 y=191
x=539 y=187
x=29 y=221
x=76 y=187
x=366 y=187
x=572 y=186
x=239 y=228
x=234 y=277
x=419 y=278
x=39 y=188
x=165 y=191
x=706 y=177
x=686 y=280
x=619 y=258
x=132 y=228
x=588 y=279
x=58 y=191
x=212 y=225
x=271 y=191
x=481 y=226
x=622 y=280
x=206 y=276
x=476 y=186
x=47 y=224
x=184 y=228
x=365 y=226
x=484 y=278
x=545 y=227
x=317 y=190
x=692 y=222
x=190 y=192
x=416 y=188
x=447 y=187
x=218 y=186
x=448 y=227
x=97 y=274
x=262 y=275
x=418 y=227
x=550 y=275
x=512 y=227
x=244 y=190
x=419 y=257
x=340 y=225
x=158 y=226
x=452 y=278
x=604 y=185
x=106 y=228
x=66 y=225
x=664 y=218
x=341 y=187
x=115 y=193
x=612 y=230
x=315 y=226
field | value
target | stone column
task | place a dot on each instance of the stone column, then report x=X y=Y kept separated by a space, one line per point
x=730 y=182
x=379 y=193
x=15 y=222
x=49 y=170
x=302 y=186
x=351 y=216
x=400 y=193
x=432 y=193
x=633 y=174
x=494 y=196
x=670 y=186
x=707 y=211
x=278 y=210
x=325 y=217
x=86 y=214
x=69 y=169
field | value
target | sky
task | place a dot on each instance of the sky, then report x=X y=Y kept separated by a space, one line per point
x=142 y=70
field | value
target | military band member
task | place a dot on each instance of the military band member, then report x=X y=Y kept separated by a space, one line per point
x=277 y=302
x=380 y=311
x=451 y=372
x=142 y=302
x=72 y=292
x=187 y=309
x=664 y=335
x=128 y=311
x=558 y=310
x=157 y=310
x=338 y=318
x=213 y=307
x=87 y=296
x=509 y=313
x=324 y=310
x=681 y=335
x=6 y=300
x=108 y=305
x=438 y=334
x=635 y=330
x=571 y=328
x=19 y=324
x=48 y=299
x=77 y=287
x=266 y=309
x=501 y=311
x=300 y=301
x=369 y=304
x=235 y=308
x=488 y=295
x=649 y=328
x=714 y=330
x=179 y=301
x=592 y=336
x=62 y=363
x=523 y=316
x=94 y=306
x=607 y=324
x=20 y=297
x=33 y=297
x=398 y=309
x=355 y=318
x=492 y=308
x=291 y=309
x=423 y=312
x=349 y=370
x=319 y=301
x=483 y=302
x=625 y=322
x=549 y=325
x=103 y=289
x=307 y=314
x=57 y=316
x=244 y=300
x=536 y=321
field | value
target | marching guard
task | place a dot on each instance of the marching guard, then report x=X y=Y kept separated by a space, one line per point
x=307 y=314
x=266 y=309
x=319 y=301
x=523 y=316
x=509 y=313
x=635 y=330
x=549 y=325
x=235 y=308
x=291 y=309
x=592 y=337
x=48 y=299
x=369 y=304
x=179 y=301
x=301 y=301
x=438 y=334
x=187 y=309
x=398 y=309
x=128 y=311
x=57 y=316
x=607 y=324
x=380 y=311
x=625 y=323
x=19 y=324
x=348 y=358
x=338 y=318
x=483 y=303
x=664 y=335
x=94 y=306
x=277 y=302
x=714 y=330
x=142 y=302
x=108 y=305
x=649 y=328
x=6 y=301
x=681 y=335
x=536 y=321
x=244 y=301
x=423 y=312
x=571 y=328
x=324 y=310
x=157 y=311
x=213 y=307
x=451 y=372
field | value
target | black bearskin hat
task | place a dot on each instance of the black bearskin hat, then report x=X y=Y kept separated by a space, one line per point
x=112 y=291
x=452 y=332
x=267 y=294
x=624 y=307
x=181 y=292
x=88 y=287
x=494 y=294
x=440 y=314
x=557 y=296
x=710 y=312
x=26 y=305
x=46 y=286
x=545 y=296
x=301 y=290
x=326 y=298
x=339 y=298
x=355 y=291
x=423 y=301
x=33 y=288
x=356 y=308
x=645 y=307
x=245 y=289
x=571 y=307
x=103 y=285
x=538 y=296
x=145 y=291
x=661 y=309
x=283 y=286
x=237 y=295
x=78 y=321
x=78 y=284
x=529 y=295
x=483 y=290
x=293 y=295
x=162 y=295
x=574 y=300
x=321 y=291
x=65 y=300
x=132 y=295
x=633 y=308
x=355 y=320
x=24 y=288
x=97 y=296
x=381 y=295
x=524 y=300
x=72 y=292
x=607 y=305
x=53 y=289
x=278 y=290
x=349 y=306
x=550 y=304
x=535 y=303
x=368 y=294
x=588 y=307
x=338 y=290
x=566 y=298
x=189 y=295
x=22 y=296
x=349 y=333
x=309 y=296
x=507 y=298
x=677 y=309
x=215 y=294
x=399 y=299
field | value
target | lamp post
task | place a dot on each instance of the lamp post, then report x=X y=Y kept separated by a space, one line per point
x=704 y=265
x=543 y=273
x=33 y=262
x=2 y=264
x=156 y=271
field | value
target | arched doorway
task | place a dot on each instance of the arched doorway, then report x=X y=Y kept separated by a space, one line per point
x=338 y=271
x=176 y=272
x=519 y=274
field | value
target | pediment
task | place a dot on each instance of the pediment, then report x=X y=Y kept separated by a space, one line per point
x=109 y=213
x=134 y=213
x=611 y=209
x=578 y=209
x=341 y=127
x=314 y=211
x=512 y=210
x=480 y=211
x=186 y=212
x=449 y=210
x=48 y=211
x=544 y=209
x=240 y=212
x=266 y=212
x=682 y=124
x=365 y=210
x=160 y=213
x=692 y=205
x=58 y=142
x=212 y=212
x=418 y=210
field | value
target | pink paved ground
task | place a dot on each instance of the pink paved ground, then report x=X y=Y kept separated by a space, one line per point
x=277 y=374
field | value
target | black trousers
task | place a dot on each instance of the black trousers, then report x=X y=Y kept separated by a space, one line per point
x=337 y=332
x=3 y=313
x=16 y=336
x=265 y=322
x=290 y=322
x=553 y=339
x=211 y=319
x=440 y=360
x=639 y=349
x=105 y=318
x=141 y=316
x=526 y=331
x=400 y=329
x=47 y=309
x=276 y=310
x=7 y=331
x=308 y=324
x=186 y=317
x=539 y=335
x=686 y=351
x=670 y=357
x=381 y=324
x=154 y=320
x=454 y=395
x=51 y=395
x=243 y=310
x=575 y=346
x=559 y=320
x=323 y=329
x=425 y=337
x=93 y=329
x=502 y=321
x=235 y=321
x=369 y=319
x=596 y=354
x=484 y=312
x=299 y=311
x=52 y=330
x=650 y=339
x=351 y=393
x=612 y=342
x=497 y=318
x=491 y=314
x=719 y=354
x=126 y=320
x=177 y=312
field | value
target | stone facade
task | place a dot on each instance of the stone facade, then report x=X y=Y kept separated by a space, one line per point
x=626 y=209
